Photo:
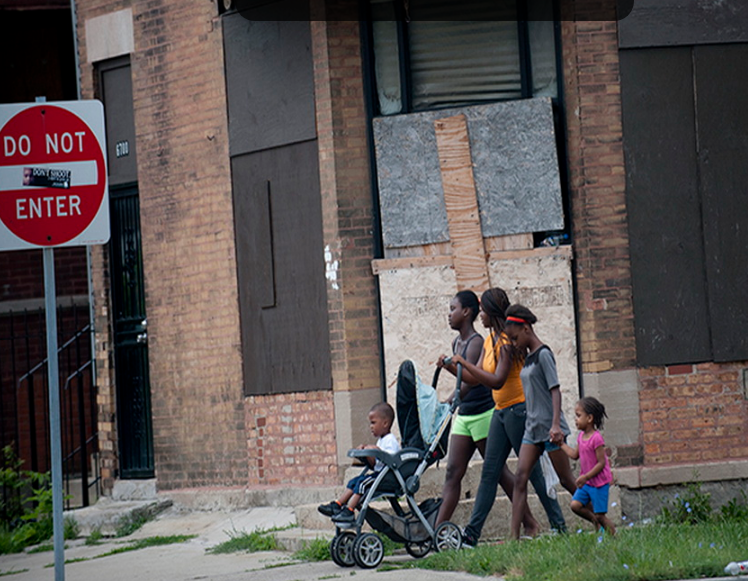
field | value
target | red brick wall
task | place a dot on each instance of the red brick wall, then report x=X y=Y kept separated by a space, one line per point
x=690 y=413
x=291 y=439
x=347 y=203
x=693 y=413
x=598 y=194
x=22 y=277
x=188 y=241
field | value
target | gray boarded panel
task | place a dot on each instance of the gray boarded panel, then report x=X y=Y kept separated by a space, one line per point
x=683 y=22
x=723 y=150
x=515 y=167
x=116 y=84
x=670 y=304
x=269 y=83
x=281 y=270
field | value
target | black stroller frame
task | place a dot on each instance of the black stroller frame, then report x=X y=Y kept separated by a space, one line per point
x=413 y=527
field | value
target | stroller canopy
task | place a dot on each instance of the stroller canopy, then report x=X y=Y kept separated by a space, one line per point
x=420 y=415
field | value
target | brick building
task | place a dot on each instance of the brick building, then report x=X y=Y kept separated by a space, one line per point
x=254 y=237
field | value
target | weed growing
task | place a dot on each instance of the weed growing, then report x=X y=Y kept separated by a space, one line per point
x=95 y=537
x=242 y=541
x=25 y=505
x=130 y=523
x=12 y=572
x=315 y=550
x=148 y=542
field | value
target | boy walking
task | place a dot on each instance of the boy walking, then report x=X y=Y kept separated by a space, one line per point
x=381 y=418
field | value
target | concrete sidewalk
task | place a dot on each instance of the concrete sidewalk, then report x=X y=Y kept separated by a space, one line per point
x=175 y=515
x=190 y=561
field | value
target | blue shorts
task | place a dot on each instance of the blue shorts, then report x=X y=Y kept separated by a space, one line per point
x=545 y=446
x=362 y=483
x=597 y=495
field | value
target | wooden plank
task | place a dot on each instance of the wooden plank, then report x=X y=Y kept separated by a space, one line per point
x=435 y=249
x=463 y=217
x=384 y=264
x=509 y=242
x=561 y=251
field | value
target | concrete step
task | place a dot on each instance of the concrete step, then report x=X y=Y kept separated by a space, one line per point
x=498 y=521
x=107 y=514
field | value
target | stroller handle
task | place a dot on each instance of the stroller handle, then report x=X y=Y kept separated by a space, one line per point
x=456 y=400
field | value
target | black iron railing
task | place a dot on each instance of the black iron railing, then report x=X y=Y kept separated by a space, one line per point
x=24 y=397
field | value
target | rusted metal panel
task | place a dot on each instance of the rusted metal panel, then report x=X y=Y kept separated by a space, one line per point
x=670 y=296
x=281 y=270
x=722 y=121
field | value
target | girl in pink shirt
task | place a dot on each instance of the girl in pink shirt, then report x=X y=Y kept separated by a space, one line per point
x=590 y=501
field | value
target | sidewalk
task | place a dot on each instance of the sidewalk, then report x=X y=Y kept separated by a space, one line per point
x=189 y=560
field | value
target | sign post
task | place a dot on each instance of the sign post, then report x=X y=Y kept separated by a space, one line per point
x=53 y=192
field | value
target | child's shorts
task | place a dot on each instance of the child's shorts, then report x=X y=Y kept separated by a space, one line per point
x=597 y=495
x=362 y=483
x=475 y=427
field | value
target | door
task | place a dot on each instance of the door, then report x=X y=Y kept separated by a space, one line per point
x=134 y=428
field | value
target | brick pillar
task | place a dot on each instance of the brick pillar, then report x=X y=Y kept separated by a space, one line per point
x=347 y=224
x=592 y=94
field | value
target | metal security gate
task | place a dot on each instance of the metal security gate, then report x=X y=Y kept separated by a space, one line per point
x=130 y=337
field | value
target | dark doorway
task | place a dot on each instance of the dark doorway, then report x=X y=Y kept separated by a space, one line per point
x=134 y=428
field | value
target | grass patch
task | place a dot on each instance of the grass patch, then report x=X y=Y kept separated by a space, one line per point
x=130 y=523
x=147 y=542
x=652 y=553
x=315 y=550
x=12 y=572
x=242 y=541
x=95 y=537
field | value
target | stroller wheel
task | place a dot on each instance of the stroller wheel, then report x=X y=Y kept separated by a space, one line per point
x=447 y=537
x=341 y=549
x=418 y=549
x=368 y=551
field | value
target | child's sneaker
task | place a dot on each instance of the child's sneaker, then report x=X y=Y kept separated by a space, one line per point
x=344 y=516
x=330 y=509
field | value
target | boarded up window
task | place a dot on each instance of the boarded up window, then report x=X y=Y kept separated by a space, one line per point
x=685 y=140
x=428 y=56
x=277 y=205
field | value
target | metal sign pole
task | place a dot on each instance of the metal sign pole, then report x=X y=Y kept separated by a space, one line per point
x=53 y=379
x=53 y=382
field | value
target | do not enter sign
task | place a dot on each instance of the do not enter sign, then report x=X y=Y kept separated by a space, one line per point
x=53 y=175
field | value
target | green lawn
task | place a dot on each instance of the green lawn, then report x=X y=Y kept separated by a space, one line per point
x=653 y=552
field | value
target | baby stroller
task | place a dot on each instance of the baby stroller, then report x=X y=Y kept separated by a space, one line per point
x=424 y=445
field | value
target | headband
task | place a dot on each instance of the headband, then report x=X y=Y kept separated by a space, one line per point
x=516 y=320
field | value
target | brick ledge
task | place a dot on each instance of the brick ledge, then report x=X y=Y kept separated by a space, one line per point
x=646 y=476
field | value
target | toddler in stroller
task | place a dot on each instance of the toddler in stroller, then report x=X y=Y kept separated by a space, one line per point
x=400 y=476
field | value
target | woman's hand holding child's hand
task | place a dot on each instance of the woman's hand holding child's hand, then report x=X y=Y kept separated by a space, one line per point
x=556 y=436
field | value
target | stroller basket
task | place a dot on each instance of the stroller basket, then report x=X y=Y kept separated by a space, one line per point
x=407 y=528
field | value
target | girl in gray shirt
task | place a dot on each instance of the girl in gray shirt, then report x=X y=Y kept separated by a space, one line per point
x=545 y=426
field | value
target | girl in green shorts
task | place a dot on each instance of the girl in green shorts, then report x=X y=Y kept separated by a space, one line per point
x=470 y=424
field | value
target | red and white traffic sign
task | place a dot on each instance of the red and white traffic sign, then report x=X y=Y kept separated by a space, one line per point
x=53 y=175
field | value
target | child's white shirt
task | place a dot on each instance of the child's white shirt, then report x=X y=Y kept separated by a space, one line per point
x=389 y=444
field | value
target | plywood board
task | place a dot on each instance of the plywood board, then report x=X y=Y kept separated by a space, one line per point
x=415 y=306
x=465 y=236
x=515 y=168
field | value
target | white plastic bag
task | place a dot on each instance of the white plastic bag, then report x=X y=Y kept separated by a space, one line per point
x=549 y=474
